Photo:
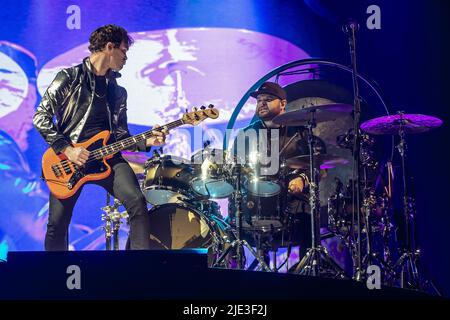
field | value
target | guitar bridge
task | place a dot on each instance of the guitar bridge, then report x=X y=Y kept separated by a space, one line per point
x=77 y=175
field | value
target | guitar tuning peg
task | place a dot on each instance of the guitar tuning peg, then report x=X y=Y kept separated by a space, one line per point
x=211 y=106
x=187 y=110
x=203 y=107
x=195 y=108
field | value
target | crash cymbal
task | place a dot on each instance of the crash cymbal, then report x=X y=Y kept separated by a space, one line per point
x=323 y=113
x=323 y=160
x=411 y=123
x=136 y=160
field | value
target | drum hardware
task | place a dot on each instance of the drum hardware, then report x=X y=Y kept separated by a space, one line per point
x=176 y=226
x=403 y=124
x=376 y=223
x=368 y=209
x=409 y=275
x=263 y=216
x=322 y=160
x=113 y=220
x=238 y=244
x=317 y=257
x=286 y=260
x=346 y=141
x=322 y=113
x=263 y=249
x=212 y=179
x=167 y=179
x=261 y=200
x=350 y=29
x=372 y=257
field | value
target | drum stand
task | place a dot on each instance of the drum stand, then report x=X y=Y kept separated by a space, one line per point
x=317 y=259
x=238 y=244
x=371 y=257
x=409 y=275
x=112 y=218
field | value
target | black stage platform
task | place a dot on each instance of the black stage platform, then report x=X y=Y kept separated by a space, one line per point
x=162 y=275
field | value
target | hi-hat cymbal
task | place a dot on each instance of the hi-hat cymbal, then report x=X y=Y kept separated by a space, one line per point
x=323 y=113
x=136 y=160
x=411 y=123
x=323 y=160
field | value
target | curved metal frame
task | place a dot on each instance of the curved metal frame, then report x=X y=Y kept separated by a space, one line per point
x=287 y=66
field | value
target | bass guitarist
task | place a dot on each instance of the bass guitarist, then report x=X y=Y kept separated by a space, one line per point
x=85 y=100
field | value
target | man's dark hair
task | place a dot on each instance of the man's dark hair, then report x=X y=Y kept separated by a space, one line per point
x=109 y=33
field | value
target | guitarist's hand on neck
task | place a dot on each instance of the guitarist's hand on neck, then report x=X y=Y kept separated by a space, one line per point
x=77 y=155
x=158 y=138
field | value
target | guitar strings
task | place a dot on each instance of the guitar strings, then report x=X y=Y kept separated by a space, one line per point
x=98 y=154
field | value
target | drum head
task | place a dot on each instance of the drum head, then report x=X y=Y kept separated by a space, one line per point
x=212 y=188
x=263 y=188
x=158 y=195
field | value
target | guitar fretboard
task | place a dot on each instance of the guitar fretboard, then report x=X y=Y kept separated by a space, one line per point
x=128 y=142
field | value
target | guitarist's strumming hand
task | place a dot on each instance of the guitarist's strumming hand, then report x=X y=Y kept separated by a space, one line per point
x=158 y=138
x=77 y=155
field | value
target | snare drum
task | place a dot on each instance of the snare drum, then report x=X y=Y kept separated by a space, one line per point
x=167 y=180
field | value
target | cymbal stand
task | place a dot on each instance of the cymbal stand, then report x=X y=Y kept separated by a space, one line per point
x=409 y=274
x=238 y=244
x=317 y=259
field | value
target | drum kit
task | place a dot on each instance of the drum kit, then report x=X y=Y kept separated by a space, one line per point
x=184 y=213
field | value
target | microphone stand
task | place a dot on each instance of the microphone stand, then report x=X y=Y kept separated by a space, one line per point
x=350 y=28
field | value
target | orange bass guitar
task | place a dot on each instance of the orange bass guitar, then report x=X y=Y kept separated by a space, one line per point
x=64 y=178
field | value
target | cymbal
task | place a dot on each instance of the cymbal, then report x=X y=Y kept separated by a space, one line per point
x=136 y=160
x=411 y=123
x=323 y=113
x=324 y=160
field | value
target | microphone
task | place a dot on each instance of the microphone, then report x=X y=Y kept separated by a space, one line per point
x=350 y=26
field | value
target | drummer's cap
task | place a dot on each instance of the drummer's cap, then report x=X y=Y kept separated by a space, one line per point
x=270 y=88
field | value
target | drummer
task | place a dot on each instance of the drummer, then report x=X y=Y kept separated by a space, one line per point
x=271 y=102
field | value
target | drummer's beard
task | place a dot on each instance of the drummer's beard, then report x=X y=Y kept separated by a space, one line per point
x=266 y=115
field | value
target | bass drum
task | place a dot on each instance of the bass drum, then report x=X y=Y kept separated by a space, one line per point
x=179 y=226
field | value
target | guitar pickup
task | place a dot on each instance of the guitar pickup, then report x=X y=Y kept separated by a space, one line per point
x=56 y=170
x=67 y=169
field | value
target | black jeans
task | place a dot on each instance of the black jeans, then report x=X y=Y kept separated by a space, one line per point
x=123 y=185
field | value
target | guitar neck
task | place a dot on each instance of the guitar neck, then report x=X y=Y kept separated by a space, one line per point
x=128 y=142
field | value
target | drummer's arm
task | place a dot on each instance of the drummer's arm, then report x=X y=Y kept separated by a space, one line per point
x=297 y=184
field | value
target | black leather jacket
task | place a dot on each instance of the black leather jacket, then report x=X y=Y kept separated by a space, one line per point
x=69 y=99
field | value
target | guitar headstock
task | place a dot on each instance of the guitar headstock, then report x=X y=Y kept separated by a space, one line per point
x=196 y=116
